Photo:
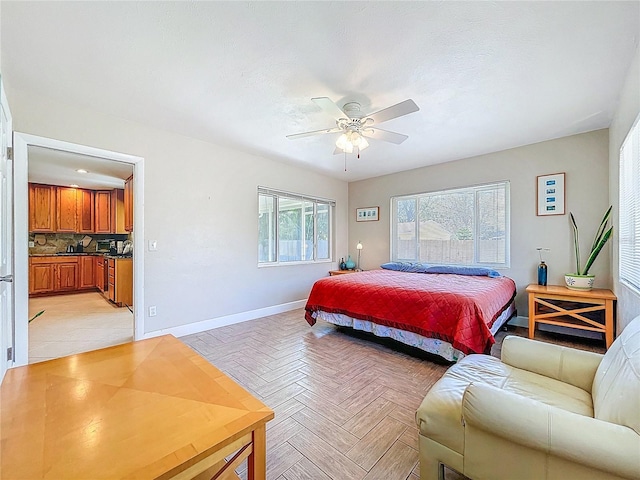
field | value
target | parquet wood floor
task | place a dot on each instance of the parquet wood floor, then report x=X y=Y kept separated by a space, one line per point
x=344 y=404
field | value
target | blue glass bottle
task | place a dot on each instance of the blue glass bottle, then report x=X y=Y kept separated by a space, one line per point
x=542 y=274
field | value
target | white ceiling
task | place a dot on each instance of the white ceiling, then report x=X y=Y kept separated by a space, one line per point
x=487 y=76
x=60 y=168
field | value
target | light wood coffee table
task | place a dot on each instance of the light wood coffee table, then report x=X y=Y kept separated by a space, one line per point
x=148 y=409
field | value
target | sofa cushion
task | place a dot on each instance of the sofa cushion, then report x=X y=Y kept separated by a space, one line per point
x=439 y=417
x=616 y=386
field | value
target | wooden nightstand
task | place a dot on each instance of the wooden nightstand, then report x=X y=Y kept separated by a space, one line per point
x=340 y=272
x=558 y=305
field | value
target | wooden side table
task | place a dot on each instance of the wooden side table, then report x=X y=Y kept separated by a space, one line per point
x=340 y=272
x=595 y=300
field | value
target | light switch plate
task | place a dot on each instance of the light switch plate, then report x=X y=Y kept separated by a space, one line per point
x=153 y=245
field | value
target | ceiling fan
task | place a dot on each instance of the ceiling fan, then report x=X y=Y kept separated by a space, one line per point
x=354 y=125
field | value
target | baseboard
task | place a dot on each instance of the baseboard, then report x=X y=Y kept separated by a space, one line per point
x=204 y=325
x=524 y=322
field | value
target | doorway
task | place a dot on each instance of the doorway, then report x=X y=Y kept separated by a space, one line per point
x=63 y=306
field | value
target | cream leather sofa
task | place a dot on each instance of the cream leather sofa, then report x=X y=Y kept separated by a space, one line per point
x=543 y=412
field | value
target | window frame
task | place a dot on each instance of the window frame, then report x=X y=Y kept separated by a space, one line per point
x=506 y=184
x=629 y=210
x=277 y=195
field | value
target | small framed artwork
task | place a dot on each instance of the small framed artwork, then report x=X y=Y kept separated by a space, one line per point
x=550 y=195
x=368 y=214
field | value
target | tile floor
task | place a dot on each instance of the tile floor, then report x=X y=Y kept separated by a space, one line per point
x=75 y=323
x=344 y=404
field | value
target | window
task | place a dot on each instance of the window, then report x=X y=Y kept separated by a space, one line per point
x=629 y=215
x=293 y=228
x=466 y=226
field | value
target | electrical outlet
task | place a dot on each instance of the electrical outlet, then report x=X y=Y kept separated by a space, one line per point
x=32 y=244
x=152 y=311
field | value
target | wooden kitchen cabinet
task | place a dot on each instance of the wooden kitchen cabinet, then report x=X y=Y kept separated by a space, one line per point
x=66 y=209
x=118 y=211
x=85 y=211
x=100 y=273
x=87 y=278
x=103 y=211
x=128 y=204
x=66 y=276
x=41 y=278
x=53 y=274
x=120 y=280
x=42 y=208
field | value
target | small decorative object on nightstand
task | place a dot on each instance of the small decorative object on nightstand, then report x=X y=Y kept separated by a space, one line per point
x=350 y=264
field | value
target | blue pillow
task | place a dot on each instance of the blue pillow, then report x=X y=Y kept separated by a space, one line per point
x=415 y=267
x=463 y=270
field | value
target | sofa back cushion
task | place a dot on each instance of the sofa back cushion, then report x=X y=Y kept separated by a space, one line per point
x=616 y=386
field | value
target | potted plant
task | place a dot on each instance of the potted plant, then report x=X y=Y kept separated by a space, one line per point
x=581 y=280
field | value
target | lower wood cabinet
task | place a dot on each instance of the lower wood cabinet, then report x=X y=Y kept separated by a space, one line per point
x=53 y=274
x=100 y=261
x=41 y=278
x=119 y=278
x=87 y=266
x=69 y=273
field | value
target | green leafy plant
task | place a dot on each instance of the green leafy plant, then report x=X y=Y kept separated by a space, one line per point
x=36 y=316
x=601 y=238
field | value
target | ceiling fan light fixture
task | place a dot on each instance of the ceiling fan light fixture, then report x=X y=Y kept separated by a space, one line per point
x=342 y=141
x=351 y=139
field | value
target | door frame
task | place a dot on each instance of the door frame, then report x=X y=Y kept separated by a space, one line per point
x=21 y=143
x=7 y=325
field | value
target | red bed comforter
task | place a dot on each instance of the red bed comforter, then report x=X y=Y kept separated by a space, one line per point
x=459 y=309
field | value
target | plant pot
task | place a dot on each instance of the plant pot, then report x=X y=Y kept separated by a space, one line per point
x=579 y=282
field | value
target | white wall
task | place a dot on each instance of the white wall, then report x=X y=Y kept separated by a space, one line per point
x=201 y=207
x=626 y=113
x=583 y=157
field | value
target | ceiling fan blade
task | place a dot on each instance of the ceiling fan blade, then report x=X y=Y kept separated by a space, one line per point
x=384 y=135
x=315 y=132
x=331 y=108
x=395 y=111
x=338 y=151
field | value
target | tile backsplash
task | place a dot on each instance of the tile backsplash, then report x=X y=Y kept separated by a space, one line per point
x=51 y=243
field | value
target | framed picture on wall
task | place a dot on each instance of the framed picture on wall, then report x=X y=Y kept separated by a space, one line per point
x=550 y=195
x=368 y=214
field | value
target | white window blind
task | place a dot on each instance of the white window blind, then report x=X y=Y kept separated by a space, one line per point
x=629 y=211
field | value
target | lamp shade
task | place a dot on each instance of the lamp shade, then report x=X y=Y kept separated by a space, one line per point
x=359 y=246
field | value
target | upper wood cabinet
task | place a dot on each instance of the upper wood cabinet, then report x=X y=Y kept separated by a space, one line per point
x=128 y=204
x=42 y=208
x=66 y=209
x=118 y=211
x=85 y=211
x=103 y=211
x=75 y=210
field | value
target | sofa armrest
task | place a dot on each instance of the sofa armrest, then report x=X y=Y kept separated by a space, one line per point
x=568 y=365
x=583 y=440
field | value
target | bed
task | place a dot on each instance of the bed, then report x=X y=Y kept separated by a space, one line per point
x=443 y=313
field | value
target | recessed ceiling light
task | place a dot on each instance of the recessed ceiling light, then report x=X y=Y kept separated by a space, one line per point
x=73 y=185
x=81 y=170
